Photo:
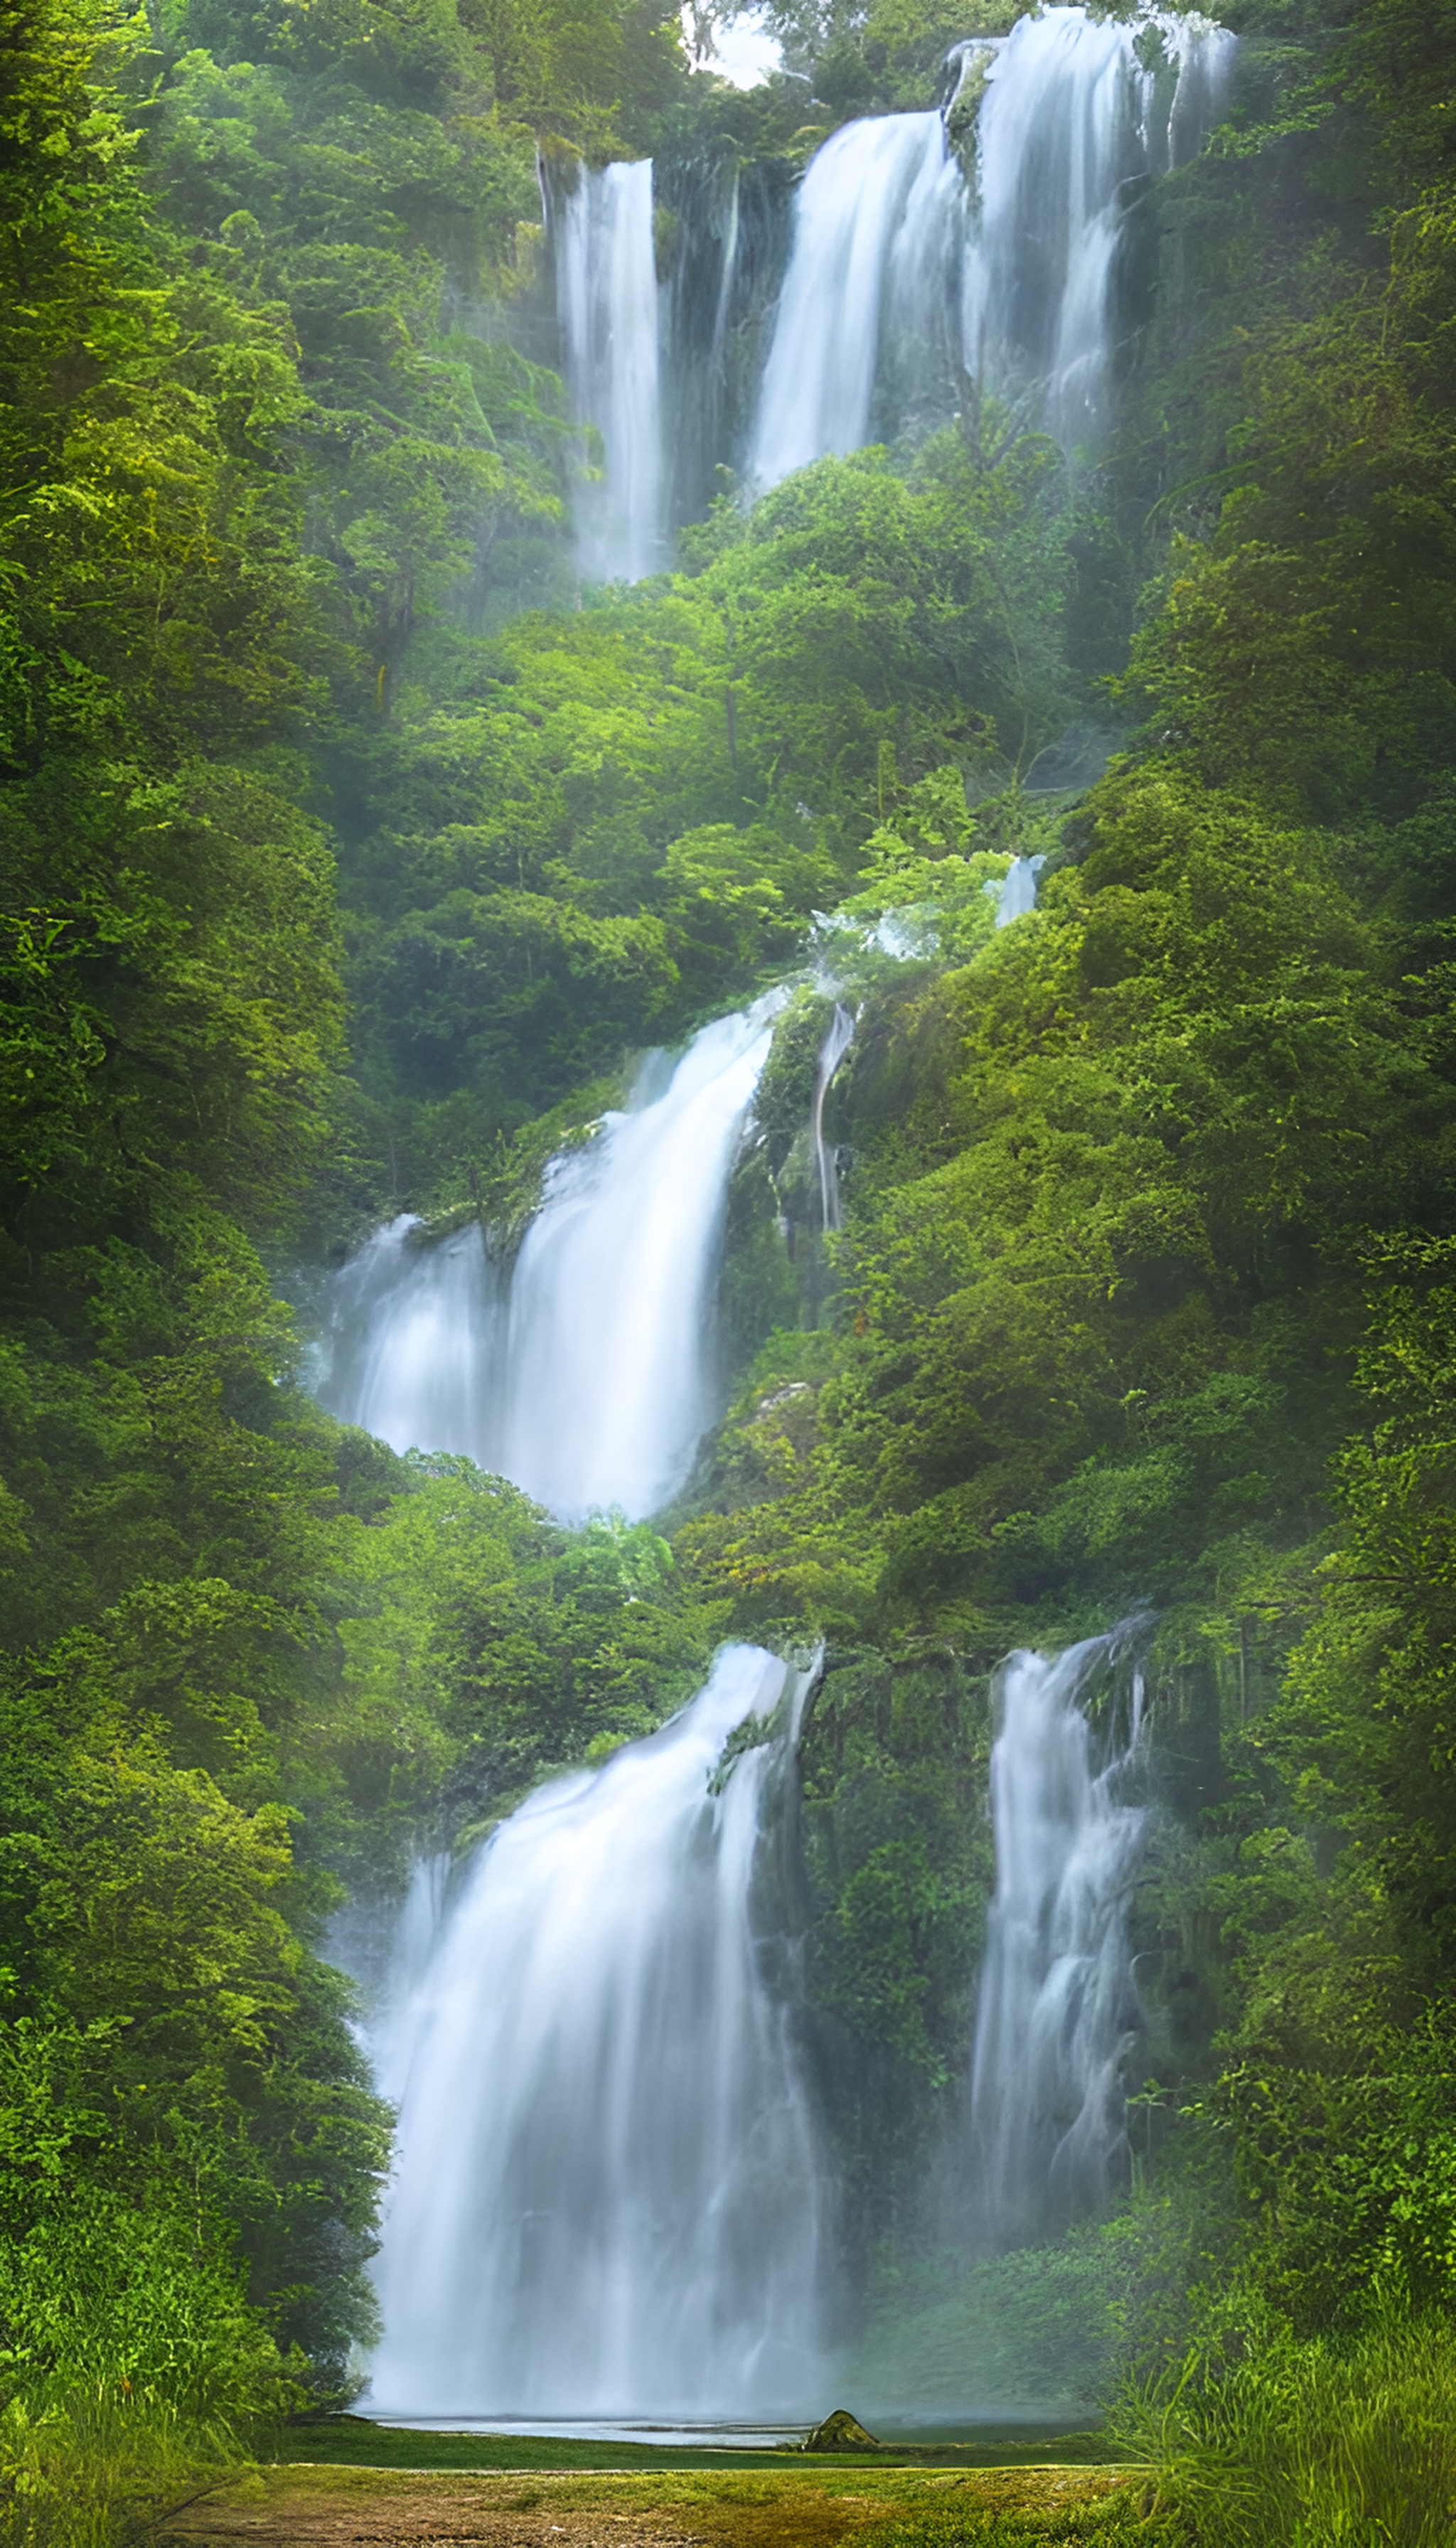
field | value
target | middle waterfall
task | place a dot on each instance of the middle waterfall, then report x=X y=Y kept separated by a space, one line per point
x=589 y=1379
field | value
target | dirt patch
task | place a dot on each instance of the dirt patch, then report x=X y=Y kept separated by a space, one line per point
x=336 y=2508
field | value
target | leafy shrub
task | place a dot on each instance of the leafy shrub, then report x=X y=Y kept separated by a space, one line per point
x=1260 y=2438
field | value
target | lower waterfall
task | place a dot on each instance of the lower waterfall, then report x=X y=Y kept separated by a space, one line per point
x=607 y=2198
x=1055 y=2018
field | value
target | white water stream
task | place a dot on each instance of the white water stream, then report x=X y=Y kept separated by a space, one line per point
x=607 y=2195
x=1077 y=111
x=588 y=1377
x=1017 y=894
x=932 y=255
x=835 y=1045
x=868 y=297
x=607 y=305
x=1055 y=2019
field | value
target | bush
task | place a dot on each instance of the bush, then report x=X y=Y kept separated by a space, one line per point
x=137 y=2372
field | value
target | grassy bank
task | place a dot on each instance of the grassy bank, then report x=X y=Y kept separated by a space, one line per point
x=351 y=2441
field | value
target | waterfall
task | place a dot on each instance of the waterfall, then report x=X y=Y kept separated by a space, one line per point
x=610 y=1382
x=607 y=305
x=607 y=2191
x=1055 y=2019
x=998 y=239
x=412 y=1347
x=866 y=298
x=831 y=1054
x=1017 y=894
x=1077 y=113
x=907 y=272
x=589 y=1379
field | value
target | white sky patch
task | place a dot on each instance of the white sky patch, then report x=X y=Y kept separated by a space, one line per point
x=744 y=52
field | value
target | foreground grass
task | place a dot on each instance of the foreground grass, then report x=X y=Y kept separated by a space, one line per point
x=1262 y=2439
x=88 y=2472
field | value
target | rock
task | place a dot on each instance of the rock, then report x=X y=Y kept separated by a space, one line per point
x=842 y=2431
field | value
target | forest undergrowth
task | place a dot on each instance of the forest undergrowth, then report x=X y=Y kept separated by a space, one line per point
x=350 y=853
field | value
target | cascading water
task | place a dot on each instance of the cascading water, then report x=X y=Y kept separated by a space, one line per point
x=590 y=1378
x=831 y=1054
x=413 y=1347
x=609 y=2198
x=1056 y=2017
x=607 y=305
x=607 y=2193
x=994 y=244
x=1079 y=113
x=609 y=1385
x=868 y=302
x=1017 y=894
x=907 y=274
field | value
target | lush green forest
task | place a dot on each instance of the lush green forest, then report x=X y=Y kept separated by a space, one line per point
x=349 y=852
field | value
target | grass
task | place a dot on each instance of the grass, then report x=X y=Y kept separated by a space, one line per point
x=978 y=2525
x=1261 y=2441
x=90 y=2472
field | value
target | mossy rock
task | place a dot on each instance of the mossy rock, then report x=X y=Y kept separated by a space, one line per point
x=842 y=2431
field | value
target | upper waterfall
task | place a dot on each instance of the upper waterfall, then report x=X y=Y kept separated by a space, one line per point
x=1077 y=113
x=990 y=245
x=866 y=314
x=588 y=1377
x=607 y=305
x=920 y=268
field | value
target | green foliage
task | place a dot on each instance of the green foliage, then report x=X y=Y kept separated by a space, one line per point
x=594 y=828
x=424 y=447
x=82 y=2471
x=1034 y=2332
x=285 y=483
x=1367 y=1715
x=481 y=1647
x=1308 y=643
x=886 y=55
x=1260 y=2438
x=1096 y=1171
x=964 y=2523
x=186 y=2035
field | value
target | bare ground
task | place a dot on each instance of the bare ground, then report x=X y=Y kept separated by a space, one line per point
x=303 y=2506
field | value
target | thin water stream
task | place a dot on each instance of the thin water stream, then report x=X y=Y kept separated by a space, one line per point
x=1056 y=2014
